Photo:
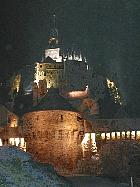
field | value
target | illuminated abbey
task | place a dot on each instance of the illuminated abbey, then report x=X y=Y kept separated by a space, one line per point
x=61 y=124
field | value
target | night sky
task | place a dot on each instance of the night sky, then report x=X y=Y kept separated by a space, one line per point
x=108 y=31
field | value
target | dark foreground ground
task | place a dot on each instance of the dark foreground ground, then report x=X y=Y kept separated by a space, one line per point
x=92 y=181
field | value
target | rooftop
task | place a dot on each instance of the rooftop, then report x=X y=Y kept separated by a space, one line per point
x=53 y=101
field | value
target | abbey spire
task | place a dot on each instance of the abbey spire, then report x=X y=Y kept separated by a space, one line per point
x=53 y=35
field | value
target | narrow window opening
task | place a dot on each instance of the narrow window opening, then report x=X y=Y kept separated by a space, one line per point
x=61 y=118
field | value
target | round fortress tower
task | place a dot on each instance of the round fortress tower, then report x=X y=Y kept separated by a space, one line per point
x=54 y=131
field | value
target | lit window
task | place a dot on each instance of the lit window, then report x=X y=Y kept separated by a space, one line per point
x=0 y=142
x=108 y=136
x=86 y=138
x=61 y=118
x=118 y=135
x=123 y=135
x=93 y=137
x=113 y=135
x=14 y=141
x=138 y=135
x=128 y=134
x=103 y=136
x=133 y=135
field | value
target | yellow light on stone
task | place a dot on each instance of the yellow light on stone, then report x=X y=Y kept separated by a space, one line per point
x=19 y=142
x=108 y=136
x=123 y=135
x=114 y=91
x=89 y=143
x=113 y=135
x=86 y=138
x=93 y=142
x=103 y=136
x=76 y=94
x=118 y=135
x=22 y=144
x=12 y=141
x=133 y=135
x=93 y=137
x=138 y=135
x=128 y=134
x=14 y=123
x=36 y=80
x=0 y=142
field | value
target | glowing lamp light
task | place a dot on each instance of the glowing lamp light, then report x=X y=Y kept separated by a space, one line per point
x=118 y=135
x=138 y=135
x=93 y=137
x=103 y=136
x=86 y=138
x=113 y=135
x=123 y=135
x=128 y=134
x=77 y=94
x=0 y=142
x=114 y=91
x=133 y=135
x=108 y=136
x=19 y=142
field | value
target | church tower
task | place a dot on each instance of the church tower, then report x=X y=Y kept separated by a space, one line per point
x=50 y=69
x=53 y=50
x=65 y=70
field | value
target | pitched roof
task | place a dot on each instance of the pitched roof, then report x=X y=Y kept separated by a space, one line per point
x=48 y=60
x=53 y=101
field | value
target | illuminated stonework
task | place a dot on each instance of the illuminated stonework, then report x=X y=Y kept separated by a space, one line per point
x=12 y=120
x=0 y=142
x=114 y=91
x=74 y=56
x=54 y=137
x=89 y=145
x=16 y=83
x=138 y=135
x=78 y=94
x=51 y=72
x=54 y=54
x=122 y=135
x=18 y=142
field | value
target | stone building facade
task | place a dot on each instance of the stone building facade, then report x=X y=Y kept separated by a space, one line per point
x=49 y=70
x=11 y=133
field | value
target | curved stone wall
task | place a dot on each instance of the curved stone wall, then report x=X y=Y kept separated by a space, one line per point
x=54 y=137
